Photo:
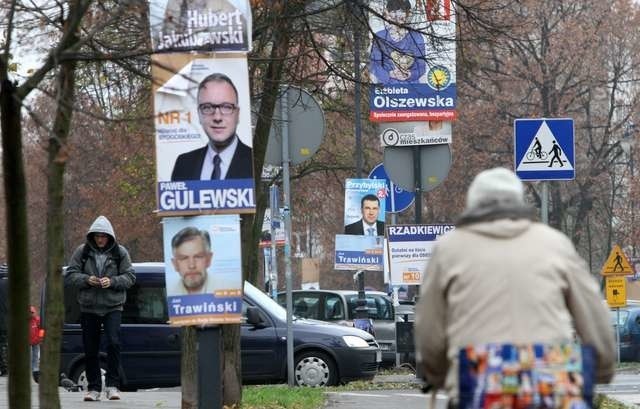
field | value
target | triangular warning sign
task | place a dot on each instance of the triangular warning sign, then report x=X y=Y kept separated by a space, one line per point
x=544 y=153
x=617 y=263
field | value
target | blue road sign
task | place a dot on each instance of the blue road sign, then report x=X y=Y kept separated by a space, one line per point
x=397 y=199
x=544 y=149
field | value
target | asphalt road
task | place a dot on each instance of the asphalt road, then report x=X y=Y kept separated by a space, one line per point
x=625 y=388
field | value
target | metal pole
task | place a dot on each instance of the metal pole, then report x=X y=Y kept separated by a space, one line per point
x=284 y=109
x=357 y=94
x=544 y=203
x=209 y=368
x=417 y=177
x=417 y=170
x=360 y=310
x=275 y=219
x=618 y=333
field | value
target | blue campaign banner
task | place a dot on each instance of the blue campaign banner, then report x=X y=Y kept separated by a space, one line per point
x=201 y=309
x=355 y=191
x=359 y=252
x=411 y=102
x=194 y=196
x=420 y=232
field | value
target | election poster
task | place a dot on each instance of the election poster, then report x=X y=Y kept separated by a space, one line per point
x=203 y=269
x=359 y=252
x=412 y=61
x=409 y=248
x=364 y=206
x=204 y=25
x=204 y=157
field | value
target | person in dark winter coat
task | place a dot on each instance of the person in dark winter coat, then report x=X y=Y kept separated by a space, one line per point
x=101 y=271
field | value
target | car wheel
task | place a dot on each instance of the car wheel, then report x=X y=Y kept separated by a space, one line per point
x=315 y=368
x=79 y=376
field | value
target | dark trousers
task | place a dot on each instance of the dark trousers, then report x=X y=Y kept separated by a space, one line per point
x=91 y=325
x=4 y=363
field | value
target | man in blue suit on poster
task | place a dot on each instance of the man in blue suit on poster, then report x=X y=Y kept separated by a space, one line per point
x=397 y=53
x=368 y=225
x=225 y=156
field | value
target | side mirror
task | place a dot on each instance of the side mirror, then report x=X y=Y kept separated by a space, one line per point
x=254 y=318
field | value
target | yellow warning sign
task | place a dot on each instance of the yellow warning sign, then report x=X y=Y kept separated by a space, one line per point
x=616 y=289
x=617 y=263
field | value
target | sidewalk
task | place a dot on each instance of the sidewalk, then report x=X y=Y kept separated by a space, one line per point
x=625 y=389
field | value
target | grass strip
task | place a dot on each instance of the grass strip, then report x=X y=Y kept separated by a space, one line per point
x=282 y=397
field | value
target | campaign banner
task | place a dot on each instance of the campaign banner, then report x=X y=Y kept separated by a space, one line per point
x=412 y=61
x=204 y=156
x=359 y=252
x=364 y=206
x=415 y=102
x=200 y=25
x=223 y=196
x=415 y=133
x=409 y=248
x=203 y=269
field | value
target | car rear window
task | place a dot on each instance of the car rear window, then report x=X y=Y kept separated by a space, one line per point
x=378 y=307
x=144 y=305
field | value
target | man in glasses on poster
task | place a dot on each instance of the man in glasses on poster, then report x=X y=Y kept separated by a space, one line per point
x=225 y=156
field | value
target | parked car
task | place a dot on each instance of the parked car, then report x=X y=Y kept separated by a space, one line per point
x=628 y=322
x=324 y=354
x=405 y=311
x=339 y=306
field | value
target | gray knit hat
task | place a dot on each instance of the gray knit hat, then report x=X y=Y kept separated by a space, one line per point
x=497 y=185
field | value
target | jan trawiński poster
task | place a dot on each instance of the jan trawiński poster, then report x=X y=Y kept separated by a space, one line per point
x=202 y=25
x=203 y=269
x=204 y=151
x=412 y=61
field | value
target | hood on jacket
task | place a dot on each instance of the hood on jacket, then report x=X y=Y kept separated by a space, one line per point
x=496 y=194
x=101 y=225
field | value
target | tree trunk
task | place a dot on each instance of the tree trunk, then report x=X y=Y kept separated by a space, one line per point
x=231 y=366
x=17 y=247
x=54 y=311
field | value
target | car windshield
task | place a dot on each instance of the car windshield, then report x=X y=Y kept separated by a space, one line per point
x=621 y=317
x=265 y=301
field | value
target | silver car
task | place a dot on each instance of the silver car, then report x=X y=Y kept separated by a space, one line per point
x=339 y=306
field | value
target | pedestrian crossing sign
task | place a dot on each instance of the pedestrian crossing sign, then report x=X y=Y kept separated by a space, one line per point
x=617 y=263
x=544 y=149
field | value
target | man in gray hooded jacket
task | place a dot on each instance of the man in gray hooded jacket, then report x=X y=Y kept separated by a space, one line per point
x=101 y=271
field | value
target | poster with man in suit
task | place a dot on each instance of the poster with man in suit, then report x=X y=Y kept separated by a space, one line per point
x=203 y=135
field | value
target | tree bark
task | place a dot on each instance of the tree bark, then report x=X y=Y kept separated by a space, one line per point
x=189 y=368
x=54 y=311
x=17 y=247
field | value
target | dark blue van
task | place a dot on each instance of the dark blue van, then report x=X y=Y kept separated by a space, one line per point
x=628 y=322
x=325 y=354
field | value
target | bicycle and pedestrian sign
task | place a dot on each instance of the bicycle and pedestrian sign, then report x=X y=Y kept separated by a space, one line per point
x=544 y=148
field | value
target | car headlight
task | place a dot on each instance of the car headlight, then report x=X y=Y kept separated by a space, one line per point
x=355 y=342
